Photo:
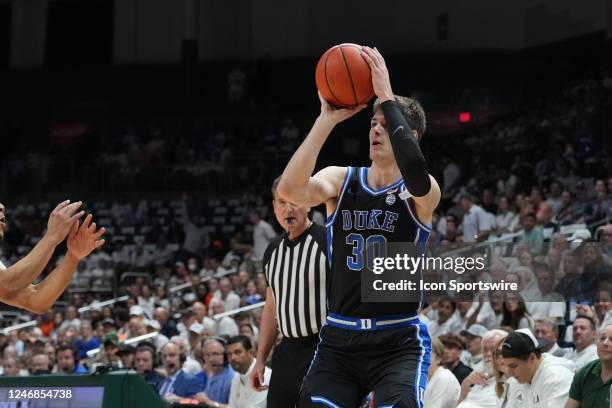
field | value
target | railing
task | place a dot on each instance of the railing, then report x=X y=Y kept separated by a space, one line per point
x=102 y=304
x=14 y=327
x=136 y=339
x=236 y=311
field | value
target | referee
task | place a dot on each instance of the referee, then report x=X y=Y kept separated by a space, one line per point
x=296 y=269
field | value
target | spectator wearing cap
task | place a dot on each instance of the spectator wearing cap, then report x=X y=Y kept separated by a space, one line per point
x=583 y=335
x=477 y=223
x=67 y=358
x=478 y=388
x=86 y=341
x=168 y=327
x=452 y=353
x=230 y=299
x=144 y=363
x=126 y=353
x=548 y=378
x=110 y=344
x=195 y=335
x=159 y=341
x=137 y=311
x=442 y=386
x=473 y=342
x=592 y=383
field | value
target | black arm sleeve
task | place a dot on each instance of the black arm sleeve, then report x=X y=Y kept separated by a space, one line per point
x=406 y=149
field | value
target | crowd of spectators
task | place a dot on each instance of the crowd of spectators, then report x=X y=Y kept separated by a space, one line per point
x=183 y=263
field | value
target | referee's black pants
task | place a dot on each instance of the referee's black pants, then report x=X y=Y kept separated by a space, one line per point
x=290 y=363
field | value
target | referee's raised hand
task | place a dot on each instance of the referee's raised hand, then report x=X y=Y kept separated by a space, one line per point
x=257 y=377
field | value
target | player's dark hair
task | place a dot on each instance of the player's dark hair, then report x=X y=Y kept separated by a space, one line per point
x=413 y=113
x=244 y=340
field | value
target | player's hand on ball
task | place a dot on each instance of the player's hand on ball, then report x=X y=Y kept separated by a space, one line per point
x=380 y=75
x=62 y=218
x=83 y=239
x=337 y=115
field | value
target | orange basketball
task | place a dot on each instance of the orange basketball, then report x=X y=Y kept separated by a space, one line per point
x=343 y=77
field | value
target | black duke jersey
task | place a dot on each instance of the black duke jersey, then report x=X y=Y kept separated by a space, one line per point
x=364 y=222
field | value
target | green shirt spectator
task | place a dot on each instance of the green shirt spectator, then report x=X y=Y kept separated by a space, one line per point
x=532 y=235
x=591 y=386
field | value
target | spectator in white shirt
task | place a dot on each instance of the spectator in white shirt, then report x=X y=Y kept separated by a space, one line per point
x=446 y=322
x=70 y=319
x=140 y=258
x=548 y=378
x=472 y=338
x=584 y=333
x=146 y=300
x=225 y=293
x=546 y=329
x=263 y=233
x=226 y=326
x=550 y=304
x=476 y=222
x=478 y=388
x=442 y=387
x=241 y=352
x=554 y=198
x=506 y=219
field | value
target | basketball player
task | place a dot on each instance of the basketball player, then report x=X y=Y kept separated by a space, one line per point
x=393 y=200
x=16 y=286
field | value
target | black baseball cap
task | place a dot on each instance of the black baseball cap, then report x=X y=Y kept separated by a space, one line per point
x=520 y=343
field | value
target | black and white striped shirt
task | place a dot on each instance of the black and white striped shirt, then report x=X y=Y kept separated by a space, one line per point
x=297 y=273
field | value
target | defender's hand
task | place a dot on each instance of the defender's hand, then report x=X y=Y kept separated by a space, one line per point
x=62 y=218
x=84 y=239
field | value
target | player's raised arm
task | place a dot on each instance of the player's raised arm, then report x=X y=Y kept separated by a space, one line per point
x=404 y=140
x=297 y=183
x=24 y=272
x=82 y=240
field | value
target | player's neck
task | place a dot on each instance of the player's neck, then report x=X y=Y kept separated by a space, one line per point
x=383 y=175
x=295 y=233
